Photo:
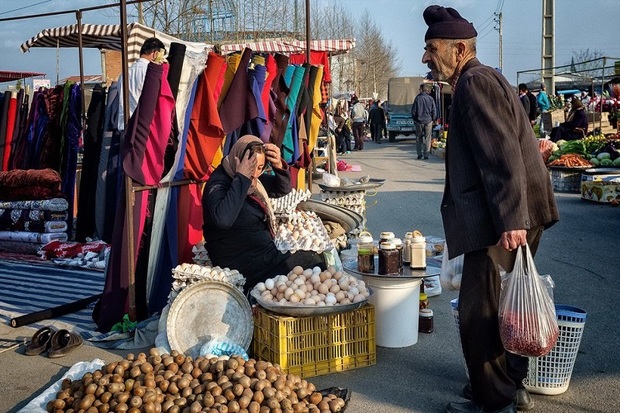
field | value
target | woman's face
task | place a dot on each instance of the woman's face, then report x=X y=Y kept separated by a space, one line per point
x=260 y=167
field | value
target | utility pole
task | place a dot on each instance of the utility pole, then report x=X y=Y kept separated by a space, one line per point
x=498 y=27
x=548 y=45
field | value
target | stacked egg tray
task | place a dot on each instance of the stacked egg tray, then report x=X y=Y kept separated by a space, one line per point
x=201 y=257
x=285 y=206
x=352 y=200
x=184 y=275
x=302 y=230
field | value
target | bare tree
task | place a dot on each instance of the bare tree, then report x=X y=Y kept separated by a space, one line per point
x=587 y=63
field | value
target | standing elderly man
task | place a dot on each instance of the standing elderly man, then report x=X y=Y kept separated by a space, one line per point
x=424 y=113
x=497 y=197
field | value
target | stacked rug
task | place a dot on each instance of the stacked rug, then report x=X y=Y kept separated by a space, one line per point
x=31 y=212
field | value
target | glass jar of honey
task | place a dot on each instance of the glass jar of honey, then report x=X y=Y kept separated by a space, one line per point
x=388 y=258
x=366 y=253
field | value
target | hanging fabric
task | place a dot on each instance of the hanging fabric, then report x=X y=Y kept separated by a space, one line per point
x=142 y=159
x=10 y=130
x=279 y=94
x=87 y=201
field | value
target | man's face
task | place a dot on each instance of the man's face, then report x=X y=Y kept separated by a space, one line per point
x=440 y=56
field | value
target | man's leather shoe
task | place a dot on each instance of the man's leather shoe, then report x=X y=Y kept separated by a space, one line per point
x=40 y=341
x=523 y=401
x=470 y=407
x=63 y=342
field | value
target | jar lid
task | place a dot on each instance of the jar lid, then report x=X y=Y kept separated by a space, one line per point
x=365 y=239
x=426 y=312
x=397 y=242
x=408 y=234
x=423 y=296
x=418 y=239
x=387 y=235
x=388 y=246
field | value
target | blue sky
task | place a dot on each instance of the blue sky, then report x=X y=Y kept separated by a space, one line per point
x=580 y=24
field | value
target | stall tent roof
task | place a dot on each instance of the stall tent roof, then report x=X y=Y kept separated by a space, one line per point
x=334 y=47
x=8 y=76
x=105 y=36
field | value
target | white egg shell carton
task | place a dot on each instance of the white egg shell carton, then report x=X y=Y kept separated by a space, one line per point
x=187 y=274
x=285 y=206
x=302 y=231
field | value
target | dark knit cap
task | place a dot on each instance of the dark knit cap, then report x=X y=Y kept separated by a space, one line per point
x=447 y=23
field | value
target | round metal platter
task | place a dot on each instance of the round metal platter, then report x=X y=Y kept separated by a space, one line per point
x=205 y=310
x=306 y=310
x=347 y=218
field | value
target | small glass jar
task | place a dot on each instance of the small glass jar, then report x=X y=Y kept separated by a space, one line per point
x=426 y=324
x=366 y=254
x=399 y=247
x=386 y=236
x=418 y=253
x=423 y=301
x=407 y=248
x=388 y=258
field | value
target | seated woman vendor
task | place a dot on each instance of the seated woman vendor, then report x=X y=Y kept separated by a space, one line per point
x=576 y=125
x=239 y=224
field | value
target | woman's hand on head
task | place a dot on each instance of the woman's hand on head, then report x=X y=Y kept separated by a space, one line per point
x=273 y=156
x=247 y=165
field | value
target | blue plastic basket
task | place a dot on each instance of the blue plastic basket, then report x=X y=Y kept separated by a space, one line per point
x=551 y=374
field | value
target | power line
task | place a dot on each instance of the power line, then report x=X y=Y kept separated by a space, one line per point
x=25 y=7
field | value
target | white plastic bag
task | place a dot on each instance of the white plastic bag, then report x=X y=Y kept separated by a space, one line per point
x=330 y=180
x=451 y=271
x=528 y=324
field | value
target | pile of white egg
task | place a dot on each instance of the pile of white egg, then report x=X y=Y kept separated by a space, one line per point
x=302 y=231
x=312 y=287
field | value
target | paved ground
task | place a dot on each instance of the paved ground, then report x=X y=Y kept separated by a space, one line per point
x=581 y=253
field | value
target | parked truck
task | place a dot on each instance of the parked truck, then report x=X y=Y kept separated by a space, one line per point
x=401 y=93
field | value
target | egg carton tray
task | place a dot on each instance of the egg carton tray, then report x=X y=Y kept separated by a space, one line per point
x=316 y=239
x=285 y=206
x=186 y=274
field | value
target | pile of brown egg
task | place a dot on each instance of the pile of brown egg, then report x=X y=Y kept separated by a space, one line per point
x=174 y=383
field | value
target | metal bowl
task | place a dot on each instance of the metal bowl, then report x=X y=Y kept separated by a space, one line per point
x=301 y=310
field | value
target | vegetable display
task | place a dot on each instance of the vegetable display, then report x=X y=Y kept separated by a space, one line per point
x=571 y=161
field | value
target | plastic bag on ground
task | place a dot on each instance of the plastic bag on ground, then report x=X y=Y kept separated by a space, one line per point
x=527 y=320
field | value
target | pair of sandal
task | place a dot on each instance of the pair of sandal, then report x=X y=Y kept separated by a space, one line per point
x=57 y=343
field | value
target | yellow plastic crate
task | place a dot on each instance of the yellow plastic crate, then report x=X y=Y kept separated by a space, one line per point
x=313 y=346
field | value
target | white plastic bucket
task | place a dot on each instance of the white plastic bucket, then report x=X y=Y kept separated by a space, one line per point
x=397 y=307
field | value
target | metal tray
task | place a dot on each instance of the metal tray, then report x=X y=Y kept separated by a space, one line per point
x=307 y=310
x=347 y=218
x=430 y=271
x=371 y=184
x=205 y=310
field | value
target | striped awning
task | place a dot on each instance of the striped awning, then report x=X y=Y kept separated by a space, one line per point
x=105 y=36
x=334 y=47
x=9 y=76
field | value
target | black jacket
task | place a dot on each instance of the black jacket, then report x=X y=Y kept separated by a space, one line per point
x=235 y=226
x=496 y=180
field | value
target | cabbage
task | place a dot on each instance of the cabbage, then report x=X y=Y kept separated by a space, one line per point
x=616 y=162
x=603 y=155
x=606 y=162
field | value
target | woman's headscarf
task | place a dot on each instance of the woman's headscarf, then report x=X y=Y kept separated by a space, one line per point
x=258 y=193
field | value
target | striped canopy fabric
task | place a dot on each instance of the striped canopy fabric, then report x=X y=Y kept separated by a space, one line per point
x=106 y=36
x=334 y=47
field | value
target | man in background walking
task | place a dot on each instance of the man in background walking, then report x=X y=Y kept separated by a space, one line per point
x=424 y=113
x=376 y=119
x=358 y=117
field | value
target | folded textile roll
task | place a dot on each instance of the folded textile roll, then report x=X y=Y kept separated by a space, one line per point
x=32 y=236
x=35 y=226
x=54 y=204
x=20 y=247
x=8 y=216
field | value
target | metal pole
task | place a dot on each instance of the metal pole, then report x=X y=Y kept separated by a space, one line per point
x=308 y=38
x=78 y=16
x=129 y=194
x=600 y=121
